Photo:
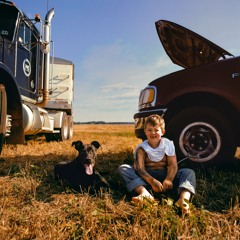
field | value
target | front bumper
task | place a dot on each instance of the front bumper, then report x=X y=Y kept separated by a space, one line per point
x=139 y=120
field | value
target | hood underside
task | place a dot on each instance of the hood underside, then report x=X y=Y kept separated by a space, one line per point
x=185 y=47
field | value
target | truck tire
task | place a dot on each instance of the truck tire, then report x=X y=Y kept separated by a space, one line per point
x=70 y=127
x=63 y=135
x=3 y=115
x=203 y=136
x=63 y=131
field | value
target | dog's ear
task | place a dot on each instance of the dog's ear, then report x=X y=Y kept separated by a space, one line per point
x=73 y=143
x=96 y=144
x=78 y=145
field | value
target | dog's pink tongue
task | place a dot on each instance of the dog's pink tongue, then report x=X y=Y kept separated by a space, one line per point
x=89 y=169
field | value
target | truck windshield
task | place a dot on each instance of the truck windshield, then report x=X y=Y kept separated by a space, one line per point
x=8 y=18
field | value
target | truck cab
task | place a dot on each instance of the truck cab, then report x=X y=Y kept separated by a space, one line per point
x=29 y=104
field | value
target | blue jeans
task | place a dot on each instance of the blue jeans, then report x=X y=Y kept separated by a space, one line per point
x=184 y=179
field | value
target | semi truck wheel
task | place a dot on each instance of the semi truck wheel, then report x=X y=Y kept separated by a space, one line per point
x=70 y=127
x=3 y=115
x=202 y=135
x=62 y=135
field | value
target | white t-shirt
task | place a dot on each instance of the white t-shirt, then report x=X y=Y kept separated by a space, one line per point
x=165 y=146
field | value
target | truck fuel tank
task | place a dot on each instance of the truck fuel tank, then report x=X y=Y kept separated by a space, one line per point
x=36 y=119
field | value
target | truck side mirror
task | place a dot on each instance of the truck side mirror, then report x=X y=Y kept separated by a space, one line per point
x=45 y=48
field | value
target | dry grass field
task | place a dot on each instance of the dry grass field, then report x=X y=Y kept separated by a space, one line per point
x=34 y=206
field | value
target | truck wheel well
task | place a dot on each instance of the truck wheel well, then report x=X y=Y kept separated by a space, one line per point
x=202 y=99
x=13 y=107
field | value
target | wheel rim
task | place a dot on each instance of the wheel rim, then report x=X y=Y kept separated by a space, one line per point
x=200 y=141
x=65 y=128
x=70 y=127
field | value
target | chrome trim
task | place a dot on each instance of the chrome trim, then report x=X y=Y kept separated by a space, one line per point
x=235 y=75
x=46 y=43
x=27 y=99
x=153 y=110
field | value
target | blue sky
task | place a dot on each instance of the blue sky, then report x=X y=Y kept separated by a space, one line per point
x=116 y=50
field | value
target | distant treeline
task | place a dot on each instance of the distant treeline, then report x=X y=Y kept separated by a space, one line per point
x=102 y=122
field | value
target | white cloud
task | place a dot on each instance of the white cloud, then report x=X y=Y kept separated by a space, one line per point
x=117 y=86
x=125 y=95
x=111 y=80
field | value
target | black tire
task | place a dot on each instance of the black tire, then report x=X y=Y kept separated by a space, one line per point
x=62 y=135
x=3 y=115
x=203 y=135
x=70 y=127
x=50 y=137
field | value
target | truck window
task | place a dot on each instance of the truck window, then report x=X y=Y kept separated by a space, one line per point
x=8 y=18
x=24 y=36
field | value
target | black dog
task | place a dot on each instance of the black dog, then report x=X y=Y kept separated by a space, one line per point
x=79 y=173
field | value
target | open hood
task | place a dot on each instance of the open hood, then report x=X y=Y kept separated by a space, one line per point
x=187 y=48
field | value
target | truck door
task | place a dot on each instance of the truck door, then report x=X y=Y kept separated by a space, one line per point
x=27 y=59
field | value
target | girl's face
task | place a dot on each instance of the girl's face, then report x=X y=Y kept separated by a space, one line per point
x=153 y=134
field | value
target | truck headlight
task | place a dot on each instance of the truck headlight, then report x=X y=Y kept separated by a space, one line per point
x=147 y=97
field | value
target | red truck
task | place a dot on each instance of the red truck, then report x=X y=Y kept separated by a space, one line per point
x=201 y=103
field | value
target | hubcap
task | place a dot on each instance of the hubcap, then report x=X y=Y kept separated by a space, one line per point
x=200 y=141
